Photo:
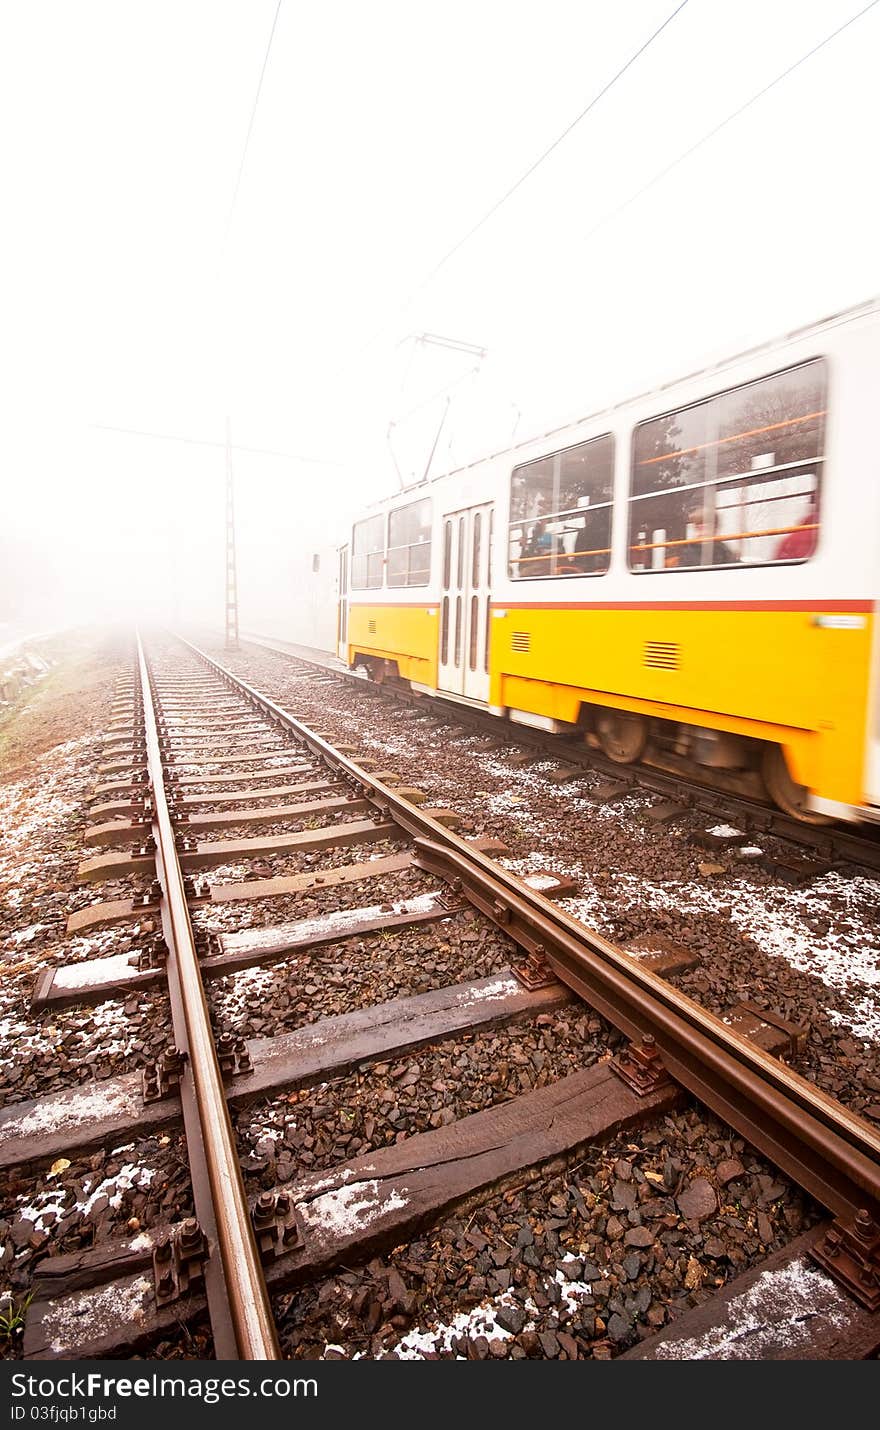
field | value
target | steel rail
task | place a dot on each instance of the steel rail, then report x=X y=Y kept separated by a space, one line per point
x=246 y=1297
x=828 y=1150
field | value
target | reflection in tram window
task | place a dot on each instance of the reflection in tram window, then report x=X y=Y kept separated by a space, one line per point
x=560 y=512
x=367 y=553
x=409 y=544
x=733 y=480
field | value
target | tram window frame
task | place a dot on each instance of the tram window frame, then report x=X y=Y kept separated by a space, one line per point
x=548 y=470
x=721 y=487
x=399 y=576
x=367 y=567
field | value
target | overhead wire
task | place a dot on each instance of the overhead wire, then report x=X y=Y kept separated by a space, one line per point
x=729 y=119
x=531 y=169
x=250 y=127
x=518 y=183
x=508 y=194
x=204 y=442
x=661 y=174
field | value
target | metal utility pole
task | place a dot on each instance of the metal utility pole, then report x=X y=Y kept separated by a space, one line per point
x=231 y=578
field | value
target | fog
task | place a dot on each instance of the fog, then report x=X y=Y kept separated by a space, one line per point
x=176 y=254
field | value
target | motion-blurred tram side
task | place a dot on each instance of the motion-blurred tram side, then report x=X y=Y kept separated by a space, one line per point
x=693 y=571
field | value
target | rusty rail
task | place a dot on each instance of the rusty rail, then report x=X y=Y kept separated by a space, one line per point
x=238 y=1302
x=829 y=1151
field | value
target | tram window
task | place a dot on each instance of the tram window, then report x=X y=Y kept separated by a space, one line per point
x=475 y=558
x=447 y=553
x=560 y=512
x=367 y=553
x=444 y=632
x=733 y=480
x=409 y=544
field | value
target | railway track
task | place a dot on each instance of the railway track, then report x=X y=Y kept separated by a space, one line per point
x=668 y=777
x=194 y=751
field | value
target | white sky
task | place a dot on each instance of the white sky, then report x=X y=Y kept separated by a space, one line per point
x=384 y=132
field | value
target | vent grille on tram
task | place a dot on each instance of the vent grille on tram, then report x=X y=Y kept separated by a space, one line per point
x=661 y=655
x=521 y=641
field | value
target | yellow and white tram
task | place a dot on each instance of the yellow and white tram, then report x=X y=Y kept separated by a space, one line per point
x=696 y=567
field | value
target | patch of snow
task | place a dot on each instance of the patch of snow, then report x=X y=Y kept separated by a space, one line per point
x=97 y=970
x=29 y=934
x=571 y=1291
x=499 y=989
x=541 y=881
x=347 y=1210
x=780 y=1309
x=332 y=923
x=53 y=1203
x=477 y=1322
x=849 y=963
x=344 y=1176
x=89 y=1315
x=72 y=1110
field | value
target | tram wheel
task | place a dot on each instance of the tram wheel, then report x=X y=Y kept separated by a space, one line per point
x=379 y=671
x=622 y=735
x=784 y=792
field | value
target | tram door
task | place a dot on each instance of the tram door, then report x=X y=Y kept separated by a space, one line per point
x=464 y=608
x=342 y=612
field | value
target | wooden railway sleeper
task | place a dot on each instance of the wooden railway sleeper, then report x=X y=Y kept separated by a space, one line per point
x=796 y=1033
x=142 y=816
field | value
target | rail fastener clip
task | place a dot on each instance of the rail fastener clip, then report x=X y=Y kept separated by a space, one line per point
x=179 y=1262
